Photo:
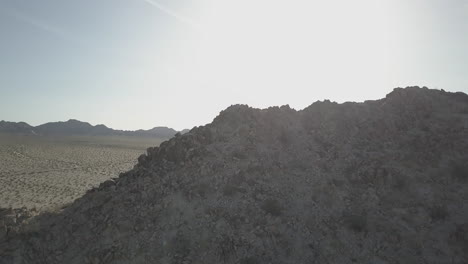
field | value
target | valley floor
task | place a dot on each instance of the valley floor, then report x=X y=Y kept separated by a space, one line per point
x=46 y=173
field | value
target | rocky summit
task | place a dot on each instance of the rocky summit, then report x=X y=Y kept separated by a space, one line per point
x=383 y=181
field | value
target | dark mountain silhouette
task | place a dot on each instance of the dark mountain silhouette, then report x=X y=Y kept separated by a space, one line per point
x=13 y=127
x=76 y=127
x=72 y=127
x=383 y=181
x=161 y=131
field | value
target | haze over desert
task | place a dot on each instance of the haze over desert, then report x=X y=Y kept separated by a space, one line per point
x=233 y=132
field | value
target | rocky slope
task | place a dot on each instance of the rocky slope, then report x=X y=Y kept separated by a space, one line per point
x=382 y=181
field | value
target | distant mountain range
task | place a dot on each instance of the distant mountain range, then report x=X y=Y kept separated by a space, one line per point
x=76 y=127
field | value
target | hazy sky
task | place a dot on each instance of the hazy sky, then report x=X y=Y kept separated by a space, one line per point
x=141 y=63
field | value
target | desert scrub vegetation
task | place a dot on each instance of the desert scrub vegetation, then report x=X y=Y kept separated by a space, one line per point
x=284 y=138
x=459 y=170
x=231 y=190
x=248 y=260
x=460 y=236
x=272 y=206
x=203 y=190
x=438 y=212
x=399 y=181
x=355 y=222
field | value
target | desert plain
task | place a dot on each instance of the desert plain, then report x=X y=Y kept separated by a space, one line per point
x=46 y=173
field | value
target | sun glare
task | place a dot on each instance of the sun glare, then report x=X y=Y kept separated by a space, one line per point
x=267 y=46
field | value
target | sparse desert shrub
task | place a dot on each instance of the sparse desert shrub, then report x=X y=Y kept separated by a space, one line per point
x=237 y=179
x=438 y=213
x=251 y=182
x=248 y=260
x=299 y=164
x=460 y=171
x=399 y=182
x=230 y=190
x=352 y=168
x=284 y=138
x=322 y=143
x=179 y=245
x=337 y=182
x=239 y=154
x=272 y=207
x=460 y=236
x=226 y=248
x=203 y=189
x=356 y=223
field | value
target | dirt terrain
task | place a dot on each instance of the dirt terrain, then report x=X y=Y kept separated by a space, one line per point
x=48 y=172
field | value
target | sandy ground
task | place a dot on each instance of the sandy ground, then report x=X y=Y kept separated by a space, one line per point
x=46 y=173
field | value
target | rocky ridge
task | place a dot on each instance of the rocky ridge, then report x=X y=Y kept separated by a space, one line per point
x=382 y=181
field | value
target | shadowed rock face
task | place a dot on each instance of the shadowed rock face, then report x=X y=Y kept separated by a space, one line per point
x=382 y=181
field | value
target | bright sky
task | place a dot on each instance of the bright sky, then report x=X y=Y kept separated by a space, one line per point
x=134 y=64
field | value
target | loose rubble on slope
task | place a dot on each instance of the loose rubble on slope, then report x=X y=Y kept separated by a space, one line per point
x=382 y=181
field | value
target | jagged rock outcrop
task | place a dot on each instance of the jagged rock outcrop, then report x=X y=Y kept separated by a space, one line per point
x=382 y=181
